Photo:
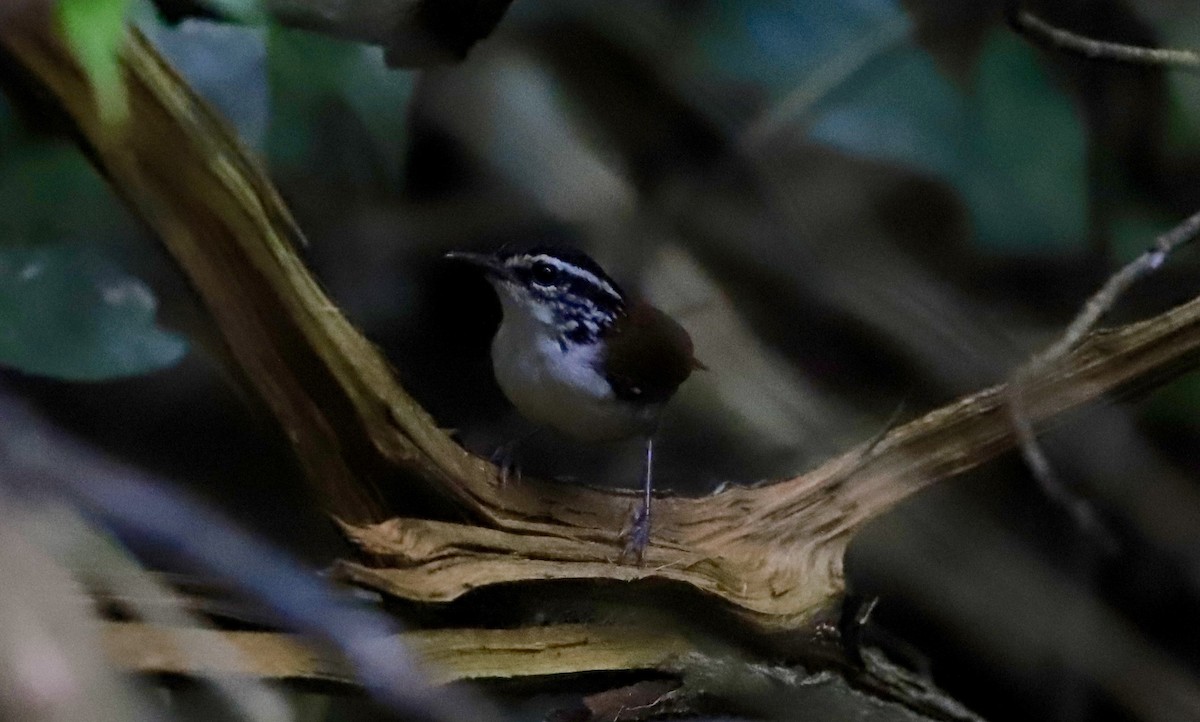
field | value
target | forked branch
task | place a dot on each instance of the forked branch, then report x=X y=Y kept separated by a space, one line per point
x=773 y=553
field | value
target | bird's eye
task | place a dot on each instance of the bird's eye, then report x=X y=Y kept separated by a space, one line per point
x=544 y=273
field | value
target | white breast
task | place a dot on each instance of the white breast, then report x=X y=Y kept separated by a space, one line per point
x=562 y=388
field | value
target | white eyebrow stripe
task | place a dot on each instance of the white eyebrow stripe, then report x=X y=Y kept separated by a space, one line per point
x=578 y=273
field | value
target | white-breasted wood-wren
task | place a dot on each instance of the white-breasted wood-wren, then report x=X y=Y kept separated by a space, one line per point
x=575 y=353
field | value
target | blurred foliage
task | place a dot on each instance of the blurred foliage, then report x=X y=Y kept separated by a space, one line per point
x=66 y=308
x=896 y=119
x=241 y=10
x=95 y=30
x=38 y=212
x=304 y=92
x=1006 y=141
x=1178 y=26
x=67 y=312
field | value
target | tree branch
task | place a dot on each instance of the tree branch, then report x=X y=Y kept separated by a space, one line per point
x=773 y=553
x=1096 y=307
x=451 y=655
x=1038 y=30
x=525 y=654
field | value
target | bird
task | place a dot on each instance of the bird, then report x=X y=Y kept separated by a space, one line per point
x=575 y=353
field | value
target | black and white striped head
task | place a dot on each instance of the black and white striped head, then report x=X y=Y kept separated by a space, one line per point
x=558 y=287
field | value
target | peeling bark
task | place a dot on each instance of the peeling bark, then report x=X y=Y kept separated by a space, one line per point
x=773 y=552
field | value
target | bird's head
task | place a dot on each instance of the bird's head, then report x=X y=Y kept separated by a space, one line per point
x=555 y=287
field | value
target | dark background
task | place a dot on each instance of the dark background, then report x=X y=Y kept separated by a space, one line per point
x=859 y=210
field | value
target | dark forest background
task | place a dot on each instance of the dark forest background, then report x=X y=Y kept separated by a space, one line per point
x=860 y=210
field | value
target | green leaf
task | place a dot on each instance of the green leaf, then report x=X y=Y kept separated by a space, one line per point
x=67 y=312
x=95 y=31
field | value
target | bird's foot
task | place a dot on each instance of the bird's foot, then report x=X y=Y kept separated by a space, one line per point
x=637 y=537
x=505 y=459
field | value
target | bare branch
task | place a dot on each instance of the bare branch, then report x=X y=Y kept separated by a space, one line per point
x=533 y=653
x=1096 y=307
x=774 y=553
x=1031 y=25
x=1103 y=300
x=454 y=654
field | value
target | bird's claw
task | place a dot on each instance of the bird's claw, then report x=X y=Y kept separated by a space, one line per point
x=505 y=459
x=638 y=536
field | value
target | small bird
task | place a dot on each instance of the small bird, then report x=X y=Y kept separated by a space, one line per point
x=575 y=353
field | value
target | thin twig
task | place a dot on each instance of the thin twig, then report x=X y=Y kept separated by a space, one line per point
x=1026 y=23
x=1104 y=299
x=1099 y=304
x=1096 y=307
x=1080 y=509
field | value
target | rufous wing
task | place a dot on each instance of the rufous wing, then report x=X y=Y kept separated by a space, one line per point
x=648 y=355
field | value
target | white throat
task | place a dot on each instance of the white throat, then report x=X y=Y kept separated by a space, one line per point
x=554 y=381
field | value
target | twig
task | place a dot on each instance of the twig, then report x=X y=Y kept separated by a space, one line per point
x=1026 y=23
x=1080 y=509
x=648 y=699
x=773 y=553
x=1104 y=299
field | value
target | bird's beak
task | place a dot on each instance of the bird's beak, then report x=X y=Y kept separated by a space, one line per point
x=492 y=267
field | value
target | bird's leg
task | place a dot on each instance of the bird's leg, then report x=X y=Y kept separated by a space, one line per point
x=505 y=458
x=639 y=527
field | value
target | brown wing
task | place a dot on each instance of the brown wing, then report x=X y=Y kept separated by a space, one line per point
x=649 y=355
